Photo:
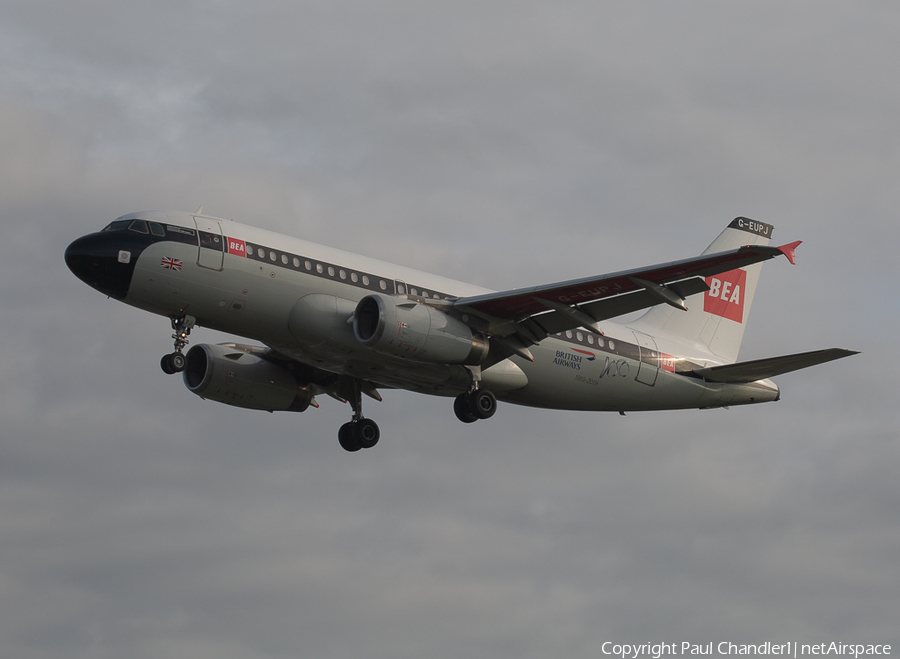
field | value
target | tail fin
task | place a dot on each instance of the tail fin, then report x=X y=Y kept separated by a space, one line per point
x=715 y=324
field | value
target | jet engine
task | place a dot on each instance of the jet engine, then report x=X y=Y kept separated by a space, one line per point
x=407 y=329
x=236 y=375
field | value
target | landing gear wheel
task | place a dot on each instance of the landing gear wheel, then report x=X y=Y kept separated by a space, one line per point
x=461 y=408
x=366 y=433
x=355 y=435
x=166 y=366
x=173 y=363
x=177 y=360
x=482 y=404
x=347 y=438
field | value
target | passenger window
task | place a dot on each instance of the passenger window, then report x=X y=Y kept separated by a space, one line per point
x=366 y=280
x=383 y=285
x=354 y=277
x=156 y=229
x=330 y=271
x=249 y=250
x=296 y=262
x=320 y=268
x=284 y=259
x=262 y=253
x=342 y=274
x=273 y=256
x=307 y=265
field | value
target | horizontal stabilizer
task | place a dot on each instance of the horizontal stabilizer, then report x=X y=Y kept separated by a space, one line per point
x=760 y=369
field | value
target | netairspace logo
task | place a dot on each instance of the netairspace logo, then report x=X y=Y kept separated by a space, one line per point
x=789 y=649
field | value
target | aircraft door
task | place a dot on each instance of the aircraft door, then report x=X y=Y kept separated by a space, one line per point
x=648 y=369
x=400 y=287
x=212 y=244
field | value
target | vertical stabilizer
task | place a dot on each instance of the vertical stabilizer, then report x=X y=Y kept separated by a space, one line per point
x=716 y=319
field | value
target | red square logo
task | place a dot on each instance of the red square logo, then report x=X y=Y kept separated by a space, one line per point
x=725 y=296
x=667 y=362
x=236 y=246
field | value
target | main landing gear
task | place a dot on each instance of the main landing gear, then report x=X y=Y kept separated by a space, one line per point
x=474 y=405
x=175 y=362
x=360 y=432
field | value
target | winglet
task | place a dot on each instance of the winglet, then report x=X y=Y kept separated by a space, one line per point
x=788 y=251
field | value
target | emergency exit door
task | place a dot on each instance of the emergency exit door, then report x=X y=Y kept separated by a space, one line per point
x=648 y=369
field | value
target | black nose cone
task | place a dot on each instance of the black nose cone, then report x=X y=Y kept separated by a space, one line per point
x=101 y=261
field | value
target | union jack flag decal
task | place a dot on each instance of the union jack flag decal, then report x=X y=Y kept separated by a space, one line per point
x=170 y=263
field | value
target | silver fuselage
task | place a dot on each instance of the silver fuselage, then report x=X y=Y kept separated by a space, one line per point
x=296 y=297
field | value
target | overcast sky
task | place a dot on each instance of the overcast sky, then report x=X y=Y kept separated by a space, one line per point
x=505 y=144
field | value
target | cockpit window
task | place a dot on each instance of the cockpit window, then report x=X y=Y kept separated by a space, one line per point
x=138 y=226
x=118 y=225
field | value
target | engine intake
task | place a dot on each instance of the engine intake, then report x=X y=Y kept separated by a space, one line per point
x=407 y=329
x=233 y=375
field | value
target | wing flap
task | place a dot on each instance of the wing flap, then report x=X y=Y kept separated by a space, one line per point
x=760 y=369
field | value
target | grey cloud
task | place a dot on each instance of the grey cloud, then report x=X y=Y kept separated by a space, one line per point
x=496 y=145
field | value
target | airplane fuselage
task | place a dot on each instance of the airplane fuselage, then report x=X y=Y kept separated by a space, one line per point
x=298 y=298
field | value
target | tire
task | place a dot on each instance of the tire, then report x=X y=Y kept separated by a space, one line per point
x=177 y=361
x=347 y=438
x=461 y=408
x=482 y=404
x=166 y=365
x=366 y=433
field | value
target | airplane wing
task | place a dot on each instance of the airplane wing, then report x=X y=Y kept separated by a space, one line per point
x=339 y=387
x=527 y=315
x=760 y=369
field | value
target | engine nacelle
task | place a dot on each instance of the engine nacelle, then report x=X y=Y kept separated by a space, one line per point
x=407 y=329
x=233 y=375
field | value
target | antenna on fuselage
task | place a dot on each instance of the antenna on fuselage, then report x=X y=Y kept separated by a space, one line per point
x=199 y=211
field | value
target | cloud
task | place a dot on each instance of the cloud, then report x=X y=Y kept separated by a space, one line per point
x=500 y=146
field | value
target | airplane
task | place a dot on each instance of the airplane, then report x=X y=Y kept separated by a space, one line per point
x=343 y=325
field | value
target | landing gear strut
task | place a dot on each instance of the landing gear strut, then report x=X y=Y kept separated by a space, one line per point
x=359 y=432
x=175 y=362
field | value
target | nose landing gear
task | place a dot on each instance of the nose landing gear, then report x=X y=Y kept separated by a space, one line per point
x=175 y=362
